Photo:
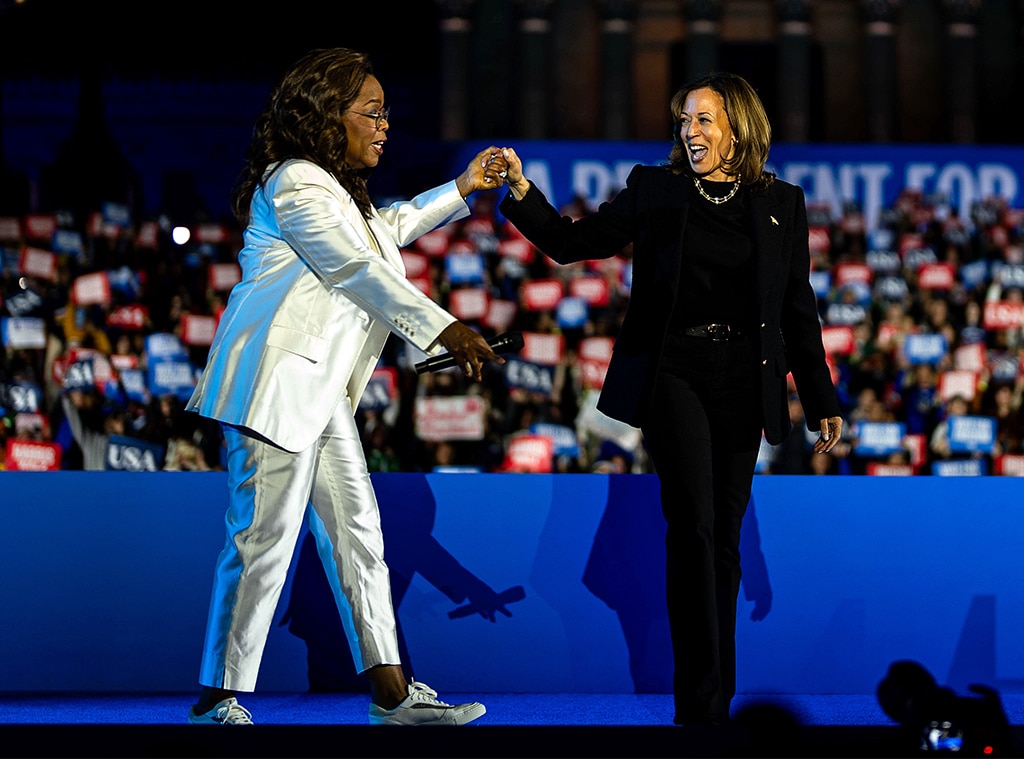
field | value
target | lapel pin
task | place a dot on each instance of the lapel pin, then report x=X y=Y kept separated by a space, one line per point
x=774 y=220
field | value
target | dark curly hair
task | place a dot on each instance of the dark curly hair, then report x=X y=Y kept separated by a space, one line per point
x=302 y=119
x=749 y=123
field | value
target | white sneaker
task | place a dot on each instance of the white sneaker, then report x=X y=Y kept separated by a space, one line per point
x=421 y=707
x=227 y=712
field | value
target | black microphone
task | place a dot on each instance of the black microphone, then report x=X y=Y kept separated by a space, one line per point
x=507 y=342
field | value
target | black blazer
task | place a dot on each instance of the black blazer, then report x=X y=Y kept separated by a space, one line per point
x=650 y=212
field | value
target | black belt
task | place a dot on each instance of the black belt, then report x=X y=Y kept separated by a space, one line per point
x=716 y=332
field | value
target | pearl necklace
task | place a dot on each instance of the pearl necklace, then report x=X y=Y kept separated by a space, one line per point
x=724 y=198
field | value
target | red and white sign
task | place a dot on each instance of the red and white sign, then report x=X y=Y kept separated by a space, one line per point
x=442 y=417
x=529 y=453
x=819 y=240
x=837 y=340
x=500 y=314
x=91 y=288
x=224 y=276
x=541 y=294
x=542 y=348
x=36 y=262
x=148 y=235
x=10 y=229
x=468 y=303
x=32 y=456
x=435 y=242
x=518 y=248
x=132 y=317
x=849 y=273
x=879 y=469
x=40 y=226
x=1002 y=314
x=594 y=290
x=1010 y=465
x=972 y=357
x=936 y=276
x=416 y=264
x=197 y=329
x=211 y=233
x=594 y=355
x=957 y=382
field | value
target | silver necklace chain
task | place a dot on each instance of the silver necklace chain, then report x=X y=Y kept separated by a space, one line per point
x=717 y=201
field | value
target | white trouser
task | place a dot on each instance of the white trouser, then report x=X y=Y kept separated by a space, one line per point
x=269 y=492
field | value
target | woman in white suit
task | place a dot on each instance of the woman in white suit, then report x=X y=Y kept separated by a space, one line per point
x=323 y=285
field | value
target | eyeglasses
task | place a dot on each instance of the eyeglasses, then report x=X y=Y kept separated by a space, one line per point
x=381 y=116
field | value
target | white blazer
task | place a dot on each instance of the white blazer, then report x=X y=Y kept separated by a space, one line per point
x=306 y=324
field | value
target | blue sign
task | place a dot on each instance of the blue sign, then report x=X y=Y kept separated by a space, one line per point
x=971 y=434
x=528 y=376
x=127 y=454
x=878 y=438
x=960 y=468
x=924 y=348
x=572 y=312
x=869 y=176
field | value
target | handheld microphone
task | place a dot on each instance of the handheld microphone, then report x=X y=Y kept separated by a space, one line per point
x=507 y=342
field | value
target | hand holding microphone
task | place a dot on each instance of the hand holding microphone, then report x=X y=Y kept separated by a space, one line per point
x=468 y=350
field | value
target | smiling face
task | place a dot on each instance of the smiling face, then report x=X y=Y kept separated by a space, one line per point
x=365 y=139
x=705 y=130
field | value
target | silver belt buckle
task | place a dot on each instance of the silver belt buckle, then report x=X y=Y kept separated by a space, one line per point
x=718 y=332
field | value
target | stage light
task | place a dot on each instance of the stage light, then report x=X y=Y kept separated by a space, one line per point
x=181 y=235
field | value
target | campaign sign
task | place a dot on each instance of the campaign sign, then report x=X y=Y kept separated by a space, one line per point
x=524 y=375
x=134 y=383
x=170 y=376
x=1002 y=314
x=543 y=348
x=36 y=262
x=10 y=229
x=1010 y=465
x=572 y=312
x=878 y=438
x=837 y=340
x=127 y=454
x=541 y=294
x=974 y=274
x=821 y=283
x=464 y=268
x=500 y=314
x=528 y=453
x=891 y=288
x=442 y=417
x=68 y=241
x=28 y=332
x=90 y=289
x=468 y=303
x=563 y=438
x=32 y=456
x=21 y=397
x=198 y=329
x=79 y=375
x=133 y=317
x=164 y=345
x=971 y=434
x=381 y=389
x=924 y=348
x=960 y=468
x=956 y=382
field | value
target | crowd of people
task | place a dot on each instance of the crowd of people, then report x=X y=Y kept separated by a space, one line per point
x=107 y=325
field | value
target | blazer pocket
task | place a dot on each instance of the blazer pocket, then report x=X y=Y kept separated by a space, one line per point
x=300 y=343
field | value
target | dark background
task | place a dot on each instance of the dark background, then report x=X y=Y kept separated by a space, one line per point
x=150 y=72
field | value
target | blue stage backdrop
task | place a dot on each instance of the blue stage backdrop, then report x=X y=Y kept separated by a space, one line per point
x=107 y=579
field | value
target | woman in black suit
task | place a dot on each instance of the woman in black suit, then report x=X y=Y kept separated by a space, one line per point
x=720 y=313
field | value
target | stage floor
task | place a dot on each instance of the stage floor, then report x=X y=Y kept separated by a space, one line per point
x=528 y=726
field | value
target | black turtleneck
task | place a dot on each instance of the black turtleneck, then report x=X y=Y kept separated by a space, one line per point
x=718 y=278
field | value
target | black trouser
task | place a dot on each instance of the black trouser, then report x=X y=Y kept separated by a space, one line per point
x=703 y=434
